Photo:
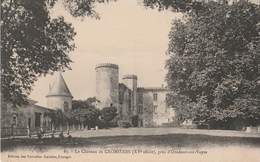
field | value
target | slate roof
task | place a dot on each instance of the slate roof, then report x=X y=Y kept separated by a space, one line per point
x=59 y=88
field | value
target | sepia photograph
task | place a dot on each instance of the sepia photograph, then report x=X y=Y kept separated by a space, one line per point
x=130 y=80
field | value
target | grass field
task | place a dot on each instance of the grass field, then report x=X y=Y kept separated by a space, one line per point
x=139 y=138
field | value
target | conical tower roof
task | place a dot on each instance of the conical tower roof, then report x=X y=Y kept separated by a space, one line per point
x=59 y=88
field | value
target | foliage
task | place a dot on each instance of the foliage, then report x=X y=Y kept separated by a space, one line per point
x=34 y=44
x=91 y=100
x=214 y=63
x=183 y=6
x=125 y=99
x=57 y=118
x=79 y=104
x=183 y=109
x=31 y=44
x=124 y=124
x=85 y=112
x=60 y=117
x=101 y=124
x=114 y=122
x=87 y=116
x=82 y=112
x=108 y=114
x=122 y=89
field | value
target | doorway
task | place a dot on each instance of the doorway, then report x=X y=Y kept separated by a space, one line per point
x=37 y=120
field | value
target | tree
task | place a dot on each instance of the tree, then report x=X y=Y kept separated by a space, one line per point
x=79 y=104
x=57 y=118
x=34 y=44
x=91 y=100
x=183 y=6
x=214 y=63
x=87 y=116
x=84 y=112
x=108 y=114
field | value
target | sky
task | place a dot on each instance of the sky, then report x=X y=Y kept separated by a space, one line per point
x=127 y=34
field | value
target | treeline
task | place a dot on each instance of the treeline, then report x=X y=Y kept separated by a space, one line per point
x=84 y=113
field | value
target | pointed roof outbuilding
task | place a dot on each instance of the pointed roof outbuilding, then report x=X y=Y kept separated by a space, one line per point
x=59 y=88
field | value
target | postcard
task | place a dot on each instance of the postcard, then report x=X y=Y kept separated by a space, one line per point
x=124 y=80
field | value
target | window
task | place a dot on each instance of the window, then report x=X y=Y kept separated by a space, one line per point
x=155 y=108
x=129 y=105
x=155 y=96
x=140 y=108
x=14 y=120
x=140 y=98
x=66 y=106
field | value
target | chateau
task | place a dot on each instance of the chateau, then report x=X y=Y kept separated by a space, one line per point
x=140 y=106
x=147 y=105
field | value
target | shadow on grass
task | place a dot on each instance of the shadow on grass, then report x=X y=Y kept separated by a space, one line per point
x=175 y=141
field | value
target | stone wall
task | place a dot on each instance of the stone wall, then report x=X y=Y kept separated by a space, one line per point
x=58 y=102
x=20 y=119
x=130 y=81
x=107 y=85
x=155 y=111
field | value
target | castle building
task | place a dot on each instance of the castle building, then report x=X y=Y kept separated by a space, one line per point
x=152 y=107
x=140 y=106
x=130 y=81
x=107 y=85
x=59 y=96
x=143 y=107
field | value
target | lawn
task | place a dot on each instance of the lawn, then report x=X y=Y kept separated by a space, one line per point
x=138 y=144
x=174 y=141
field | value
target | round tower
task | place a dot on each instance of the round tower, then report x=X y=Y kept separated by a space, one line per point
x=131 y=82
x=59 y=96
x=107 y=85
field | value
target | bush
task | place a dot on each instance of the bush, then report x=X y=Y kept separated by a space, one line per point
x=108 y=114
x=114 y=122
x=149 y=125
x=124 y=124
x=203 y=126
x=172 y=124
x=101 y=124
